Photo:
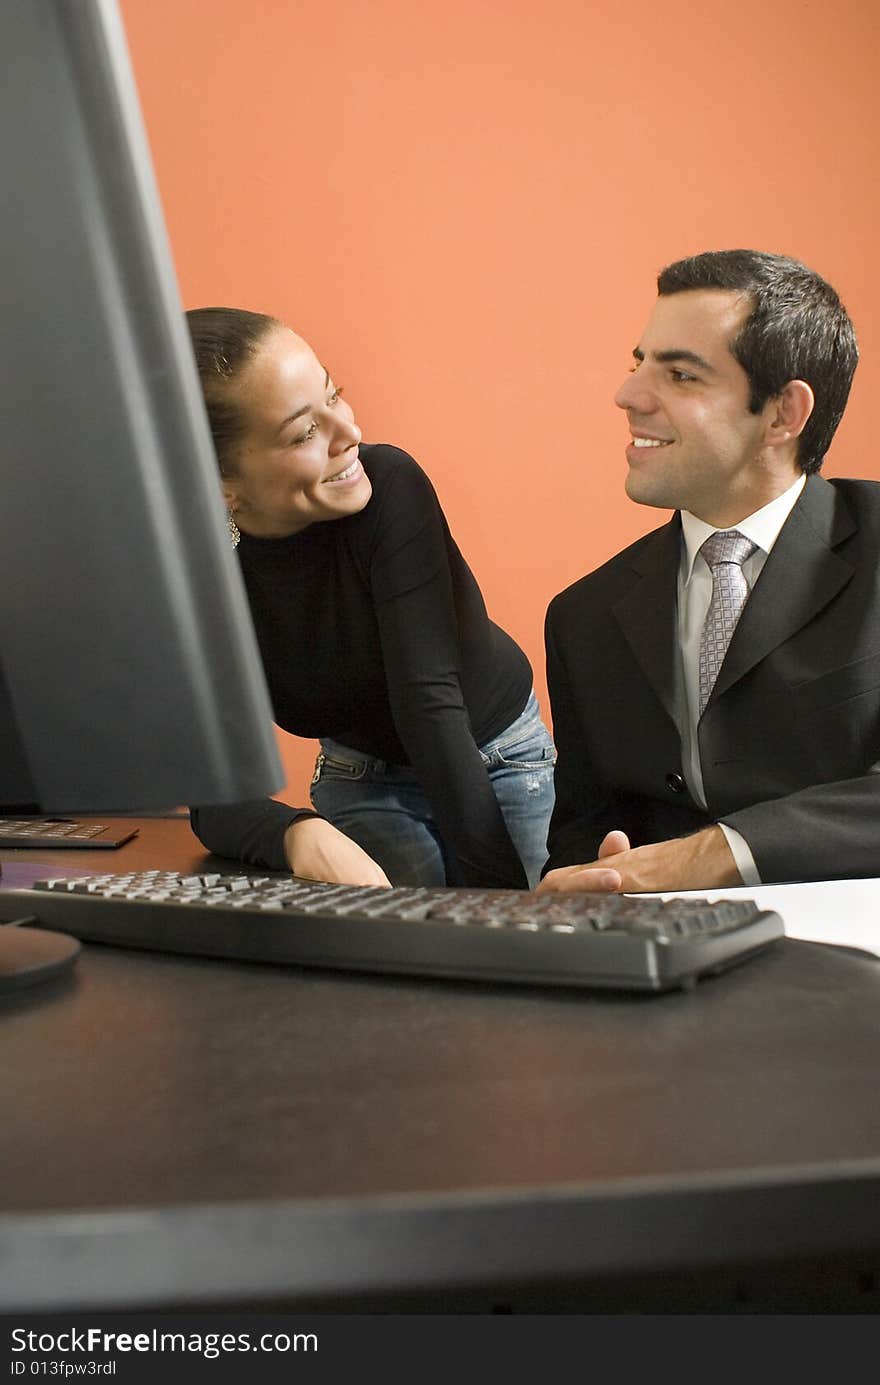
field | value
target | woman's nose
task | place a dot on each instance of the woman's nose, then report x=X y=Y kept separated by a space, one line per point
x=347 y=433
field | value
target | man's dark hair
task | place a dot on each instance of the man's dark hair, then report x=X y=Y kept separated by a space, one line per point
x=224 y=341
x=798 y=329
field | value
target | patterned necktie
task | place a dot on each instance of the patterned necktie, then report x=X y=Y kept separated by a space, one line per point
x=725 y=552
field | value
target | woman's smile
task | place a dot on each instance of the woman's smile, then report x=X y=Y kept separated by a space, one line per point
x=351 y=473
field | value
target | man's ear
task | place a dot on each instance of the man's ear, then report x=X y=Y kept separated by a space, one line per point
x=788 y=413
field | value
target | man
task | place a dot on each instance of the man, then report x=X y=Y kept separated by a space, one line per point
x=717 y=712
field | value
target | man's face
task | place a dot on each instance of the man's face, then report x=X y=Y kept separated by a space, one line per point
x=695 y=445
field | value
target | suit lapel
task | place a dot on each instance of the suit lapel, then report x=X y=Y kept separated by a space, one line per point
x=647 y=615
x=801 y=575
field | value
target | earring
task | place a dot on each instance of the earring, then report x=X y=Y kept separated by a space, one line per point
x=234 y=532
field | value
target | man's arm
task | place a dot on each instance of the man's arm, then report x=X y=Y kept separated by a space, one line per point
x=584 y=806
x=823 y=832
x=699 y=862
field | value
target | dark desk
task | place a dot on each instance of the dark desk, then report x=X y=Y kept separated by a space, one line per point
x=181 y=1132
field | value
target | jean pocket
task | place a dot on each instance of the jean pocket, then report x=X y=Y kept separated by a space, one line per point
x=331 y=767
x=526 y=756
x=528 y=747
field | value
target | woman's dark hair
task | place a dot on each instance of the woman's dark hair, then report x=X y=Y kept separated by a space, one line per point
x=224 y=341
x=798 y=329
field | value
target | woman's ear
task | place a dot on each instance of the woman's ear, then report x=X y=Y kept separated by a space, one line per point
x=789 y=412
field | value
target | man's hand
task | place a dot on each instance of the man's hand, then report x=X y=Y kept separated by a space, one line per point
x=316 y=850
x=701 y=862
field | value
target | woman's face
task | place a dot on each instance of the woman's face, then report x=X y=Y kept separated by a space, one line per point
x=298 y=460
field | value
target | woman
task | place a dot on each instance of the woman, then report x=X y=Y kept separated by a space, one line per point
x=435 y=767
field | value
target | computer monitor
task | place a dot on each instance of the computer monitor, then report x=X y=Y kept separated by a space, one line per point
x=130 y=677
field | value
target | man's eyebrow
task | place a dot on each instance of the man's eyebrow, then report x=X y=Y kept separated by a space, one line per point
x=306 y=407
x=676 y=354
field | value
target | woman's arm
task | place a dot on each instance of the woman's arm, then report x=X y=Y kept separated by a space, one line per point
x=276 y=836
x=413 y=593
x=316 y=850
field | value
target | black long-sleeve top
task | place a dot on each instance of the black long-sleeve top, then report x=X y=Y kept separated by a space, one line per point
x=374 y=633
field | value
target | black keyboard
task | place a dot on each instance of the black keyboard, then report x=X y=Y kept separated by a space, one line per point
x=61 y=832
x=494 y=935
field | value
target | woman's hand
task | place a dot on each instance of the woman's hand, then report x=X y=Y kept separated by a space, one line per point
x=316 y=850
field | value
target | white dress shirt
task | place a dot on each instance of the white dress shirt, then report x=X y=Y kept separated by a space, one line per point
x=694 y=595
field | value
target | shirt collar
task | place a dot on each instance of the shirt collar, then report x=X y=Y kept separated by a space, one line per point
x=763 y=527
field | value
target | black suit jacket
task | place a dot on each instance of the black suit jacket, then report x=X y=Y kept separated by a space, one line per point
x=791 y=732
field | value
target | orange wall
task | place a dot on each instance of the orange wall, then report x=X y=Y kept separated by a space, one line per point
x=463 y=206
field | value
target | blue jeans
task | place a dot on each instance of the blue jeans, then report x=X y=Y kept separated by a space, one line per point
x=384 y=809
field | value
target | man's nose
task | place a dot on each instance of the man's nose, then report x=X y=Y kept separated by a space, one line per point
x=634 y=394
